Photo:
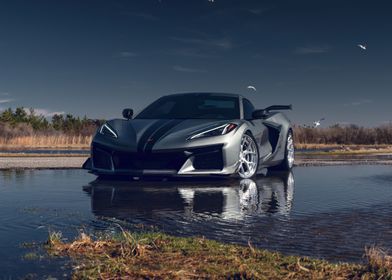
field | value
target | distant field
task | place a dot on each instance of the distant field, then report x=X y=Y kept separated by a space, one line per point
x=335 y=148
x=45 y=142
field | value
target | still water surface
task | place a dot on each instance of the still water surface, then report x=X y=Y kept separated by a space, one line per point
x=325 y=212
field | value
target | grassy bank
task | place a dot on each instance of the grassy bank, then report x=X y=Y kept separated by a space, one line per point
x=159 y=256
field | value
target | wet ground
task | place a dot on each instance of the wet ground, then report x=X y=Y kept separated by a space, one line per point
x=48 y=152
x=50 y=159
x=330 y=212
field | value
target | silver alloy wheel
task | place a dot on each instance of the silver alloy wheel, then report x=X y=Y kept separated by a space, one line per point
x=290 y=150
x=249 y=157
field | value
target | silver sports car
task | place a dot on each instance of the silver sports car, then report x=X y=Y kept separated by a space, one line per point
x=194 y=134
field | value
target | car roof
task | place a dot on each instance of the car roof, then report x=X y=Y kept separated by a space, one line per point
x=208 y=94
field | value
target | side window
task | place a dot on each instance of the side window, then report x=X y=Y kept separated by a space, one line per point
x=248 y=109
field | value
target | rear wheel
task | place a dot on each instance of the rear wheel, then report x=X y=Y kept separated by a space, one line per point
x=288 y=161
x=249 y=157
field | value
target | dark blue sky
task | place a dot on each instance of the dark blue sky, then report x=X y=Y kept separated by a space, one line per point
x=97 y=57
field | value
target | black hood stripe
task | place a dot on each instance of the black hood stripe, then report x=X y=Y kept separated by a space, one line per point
x=158 y=134
x=147 y=134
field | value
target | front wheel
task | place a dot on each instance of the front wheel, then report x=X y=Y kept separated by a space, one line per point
x=248 y=157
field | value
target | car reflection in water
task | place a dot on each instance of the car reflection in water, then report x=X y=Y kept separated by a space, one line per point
x=225 y=199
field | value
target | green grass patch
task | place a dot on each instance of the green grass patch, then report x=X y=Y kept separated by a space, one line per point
x=160 y=256
x=31 y=256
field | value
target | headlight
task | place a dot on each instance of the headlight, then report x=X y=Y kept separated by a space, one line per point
x=108 y=131
x=216 y=131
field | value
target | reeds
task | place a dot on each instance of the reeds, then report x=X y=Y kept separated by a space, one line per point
x=45 y=141
x=75 y=133
x=379 y=261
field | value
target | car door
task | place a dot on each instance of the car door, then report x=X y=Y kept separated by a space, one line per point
x=259 y=130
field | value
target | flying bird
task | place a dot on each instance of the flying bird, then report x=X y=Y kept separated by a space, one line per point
x=364 y=47
x=252 y=88
x=317 y=123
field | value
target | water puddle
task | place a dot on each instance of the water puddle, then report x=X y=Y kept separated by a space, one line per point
x=326 y=212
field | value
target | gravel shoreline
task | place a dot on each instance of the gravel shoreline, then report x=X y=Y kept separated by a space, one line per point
x=75 y=162
x=41 y=162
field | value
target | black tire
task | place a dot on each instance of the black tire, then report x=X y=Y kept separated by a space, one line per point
x=286 y=164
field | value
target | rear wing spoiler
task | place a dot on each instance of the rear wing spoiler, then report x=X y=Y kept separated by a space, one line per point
x=263 y=113
x=279 y=107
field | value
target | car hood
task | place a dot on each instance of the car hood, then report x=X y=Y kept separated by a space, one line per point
x=143 y=135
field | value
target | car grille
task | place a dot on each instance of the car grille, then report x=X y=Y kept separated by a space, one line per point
x=166 y=160
x=209 y=158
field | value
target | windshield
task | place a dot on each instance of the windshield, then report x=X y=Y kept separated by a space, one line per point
x=192 y=107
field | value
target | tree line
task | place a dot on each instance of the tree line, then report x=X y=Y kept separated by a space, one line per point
x=344 y=135
x=26 y=122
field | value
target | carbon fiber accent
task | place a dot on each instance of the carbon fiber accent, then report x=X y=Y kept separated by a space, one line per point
x=147 y=134
x=157 y=135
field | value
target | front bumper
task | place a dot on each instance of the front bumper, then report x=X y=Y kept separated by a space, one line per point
x=207 y=160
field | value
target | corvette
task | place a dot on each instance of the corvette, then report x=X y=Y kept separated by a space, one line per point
x=194 y=134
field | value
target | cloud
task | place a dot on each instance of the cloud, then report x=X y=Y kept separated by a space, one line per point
x=191 y=52
x=187 y=70
x=258 y=11
x=4 y=93
x=344 y=123
x=3 y=101
x=359 y=102
x=312 y=50
x=127 y=54
x=144 y=16
x=44 y=112
x=222 y=43
x=255 y=11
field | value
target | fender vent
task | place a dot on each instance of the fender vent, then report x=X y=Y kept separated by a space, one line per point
x=273 y=135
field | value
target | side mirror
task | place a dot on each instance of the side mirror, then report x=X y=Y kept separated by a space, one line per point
x=259 y=114
x=127 y=113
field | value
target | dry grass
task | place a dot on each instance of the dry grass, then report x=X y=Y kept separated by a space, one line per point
x=310 y=146
x=379 y=262
x=332 y=149
x=159 y=256
x=64 y=141
x=44 y=141
x=20 y=154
